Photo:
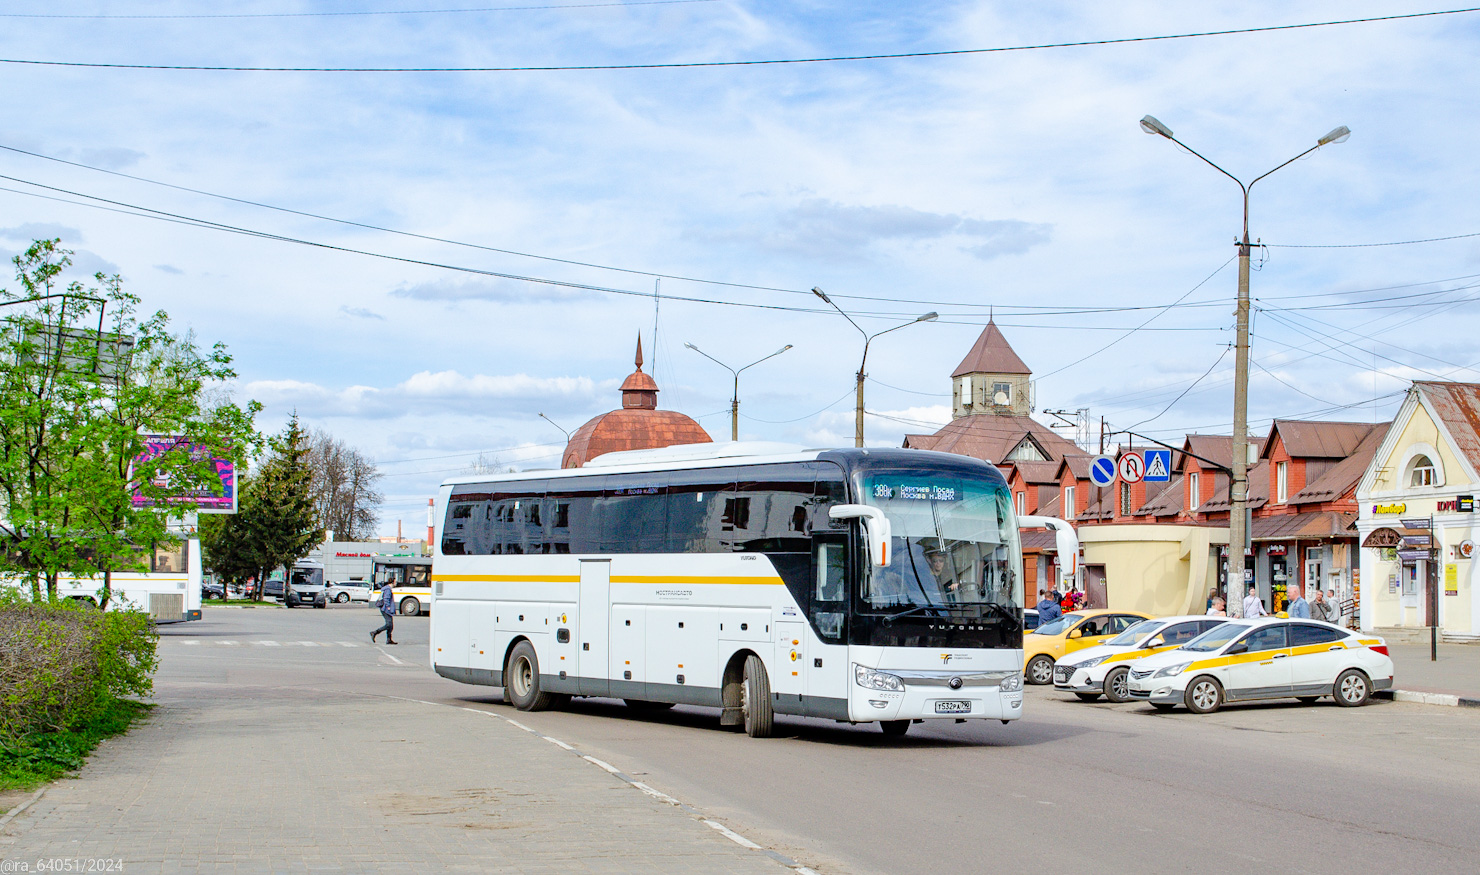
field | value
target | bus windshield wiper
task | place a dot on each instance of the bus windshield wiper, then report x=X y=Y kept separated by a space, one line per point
x=915 y=610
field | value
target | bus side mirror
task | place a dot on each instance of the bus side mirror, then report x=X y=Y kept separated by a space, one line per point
x=875 y=525
x=1065 y=541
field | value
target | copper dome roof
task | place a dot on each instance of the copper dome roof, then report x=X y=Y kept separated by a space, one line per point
x=639 y=425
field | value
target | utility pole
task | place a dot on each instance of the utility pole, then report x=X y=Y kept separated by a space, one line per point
x=867 y=339
x=1238 y=488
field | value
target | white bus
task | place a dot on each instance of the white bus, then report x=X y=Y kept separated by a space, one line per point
x=410 y=581
x=859 y=585
x=170 y=591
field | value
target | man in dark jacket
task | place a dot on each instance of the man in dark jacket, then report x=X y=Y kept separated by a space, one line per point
x=388 y=610
x=1048 y=607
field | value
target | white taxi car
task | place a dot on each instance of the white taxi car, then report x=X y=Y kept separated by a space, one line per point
x=1267 y=658
x=1105 y=668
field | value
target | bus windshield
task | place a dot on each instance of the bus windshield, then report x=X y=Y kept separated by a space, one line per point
x=955 y=543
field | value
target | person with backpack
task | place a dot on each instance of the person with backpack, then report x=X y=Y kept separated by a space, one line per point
x=387 y=606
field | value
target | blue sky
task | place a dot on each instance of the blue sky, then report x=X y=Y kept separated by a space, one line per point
x=1011 y=182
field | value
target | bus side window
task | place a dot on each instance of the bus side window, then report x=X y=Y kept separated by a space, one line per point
x=169 y=558
x=829 y=590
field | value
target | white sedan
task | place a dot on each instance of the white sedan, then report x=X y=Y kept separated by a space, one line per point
x=1105 y=668
x=1267 y=658
x=349 y=591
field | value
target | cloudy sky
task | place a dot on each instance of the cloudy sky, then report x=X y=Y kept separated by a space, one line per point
x=1011 y=183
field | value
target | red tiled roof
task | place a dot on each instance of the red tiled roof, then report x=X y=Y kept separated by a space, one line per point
x=1258 y=491
x=991 y=437
x=1343 y=477
x=1458 y=404
x=1303 y=526
x=991 y=354
x=1167 y=502
x=1310 y=439
x=1037 y=473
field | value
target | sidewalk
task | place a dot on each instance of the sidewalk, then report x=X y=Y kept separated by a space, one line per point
x=1456 y=673
x=265 y=779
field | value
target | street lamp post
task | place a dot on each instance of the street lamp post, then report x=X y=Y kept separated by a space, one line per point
x=867 y=339
x=735 y=398
x=563 y=430
x=1238 y=490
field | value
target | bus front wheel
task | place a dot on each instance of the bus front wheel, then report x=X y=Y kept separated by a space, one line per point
x=755 y=702
x=410 y=607
x=522 y=680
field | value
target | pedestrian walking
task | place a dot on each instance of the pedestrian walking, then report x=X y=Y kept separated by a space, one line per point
x=1253 y=607
x=387 y=610
x=1322 y=608
x=1217 y=607
x=1298 y=608
x=1048 y=607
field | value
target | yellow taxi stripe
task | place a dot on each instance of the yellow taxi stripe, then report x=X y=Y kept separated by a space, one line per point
x=1238 y=659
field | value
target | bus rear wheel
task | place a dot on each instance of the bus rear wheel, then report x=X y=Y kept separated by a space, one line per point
x=522 y=680
x=755 y=699
x=410 y=607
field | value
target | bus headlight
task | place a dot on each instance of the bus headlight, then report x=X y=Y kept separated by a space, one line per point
x=876 y=680
x=1012 y=683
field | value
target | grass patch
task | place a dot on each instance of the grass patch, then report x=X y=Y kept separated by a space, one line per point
x=45 y=756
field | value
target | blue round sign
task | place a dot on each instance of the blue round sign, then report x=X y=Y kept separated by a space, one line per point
x=1102 y=471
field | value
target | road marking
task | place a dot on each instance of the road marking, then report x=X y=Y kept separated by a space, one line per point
x=309 y=643
x=226 y=643
x=348 y=644
x=733 y=836
x=388 y=656
x=188 y=643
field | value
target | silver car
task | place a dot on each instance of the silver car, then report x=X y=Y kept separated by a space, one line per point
x=349 y=591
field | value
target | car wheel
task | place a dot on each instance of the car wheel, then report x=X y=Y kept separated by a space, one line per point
x=755 y=699
x=410 y=607
x=341 y=598
x=895 y=728
x=1117 y=687
x=1040 y=670
x=1203 y=696
x=522 y=689
x=1352 y=688
x=1087 y=697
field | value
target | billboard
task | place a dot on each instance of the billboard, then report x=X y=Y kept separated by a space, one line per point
x=198 y=500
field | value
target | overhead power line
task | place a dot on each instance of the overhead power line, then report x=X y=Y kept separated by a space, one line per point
x=345 y=14
x=683 y=65
x=1368 y=245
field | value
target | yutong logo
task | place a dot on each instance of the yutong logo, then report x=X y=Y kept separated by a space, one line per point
x=964 y=627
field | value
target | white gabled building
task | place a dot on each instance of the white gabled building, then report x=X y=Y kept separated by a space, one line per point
x=1427 y=469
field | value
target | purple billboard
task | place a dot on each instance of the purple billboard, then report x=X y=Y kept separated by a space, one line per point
x=198 y=500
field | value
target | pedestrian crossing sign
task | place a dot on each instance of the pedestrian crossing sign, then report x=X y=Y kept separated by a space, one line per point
x=1158 y=466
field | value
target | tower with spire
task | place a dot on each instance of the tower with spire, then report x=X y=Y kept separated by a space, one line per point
x=991 y=379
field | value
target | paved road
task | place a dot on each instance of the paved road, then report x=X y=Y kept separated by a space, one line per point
x=1070 y=788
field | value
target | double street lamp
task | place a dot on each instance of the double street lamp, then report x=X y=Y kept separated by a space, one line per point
x=867 y=339
x=1238 y=490
x=735 y=398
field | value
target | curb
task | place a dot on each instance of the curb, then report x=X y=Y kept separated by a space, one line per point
x=1449 y=699
x=15 y=812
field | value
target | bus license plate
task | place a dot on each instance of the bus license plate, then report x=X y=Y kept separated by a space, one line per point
x=953 y=707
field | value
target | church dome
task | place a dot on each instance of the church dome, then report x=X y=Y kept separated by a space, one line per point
x=638 y=425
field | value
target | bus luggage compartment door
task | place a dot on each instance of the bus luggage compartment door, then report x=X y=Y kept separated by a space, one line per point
x=789 y=681
x=593 y=627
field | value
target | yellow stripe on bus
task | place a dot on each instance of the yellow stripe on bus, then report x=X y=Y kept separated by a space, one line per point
x=619 y=578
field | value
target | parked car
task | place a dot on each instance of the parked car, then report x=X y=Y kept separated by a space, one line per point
x=1266 y=658
x=212 y=590
x=1073 y=631
x=273 y=589
x=1030 y=619
x=1104 y=669
x=349 y=591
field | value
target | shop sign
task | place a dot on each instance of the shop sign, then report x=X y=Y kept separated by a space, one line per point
x=1465 y=549
x=1392 y=583
x=1279 y=549
x=1465 y=504
x=1417 y=541
x=1416 y=524
x=1383 y=537
x=1451 y=579
x=1400 y=507
x=1413 y=555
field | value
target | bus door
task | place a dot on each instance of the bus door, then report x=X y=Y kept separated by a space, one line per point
x=593 y=627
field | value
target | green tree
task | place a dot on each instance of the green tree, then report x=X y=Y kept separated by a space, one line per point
x=78 y=404
x=276 y=523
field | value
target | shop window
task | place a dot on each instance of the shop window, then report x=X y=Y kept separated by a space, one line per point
x=1422 y=472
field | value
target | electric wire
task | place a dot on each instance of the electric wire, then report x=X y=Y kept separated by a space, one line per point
x=1215 y=364
x=344 y=14
x=1370 y=245
x=799 y=418
x=767 y=62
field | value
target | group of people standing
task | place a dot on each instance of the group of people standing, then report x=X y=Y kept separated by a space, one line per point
x=1320 y=607
x=1052 y=605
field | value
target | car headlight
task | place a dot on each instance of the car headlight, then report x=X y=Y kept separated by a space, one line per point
x=1172 y=670
x=1091 y=663
x=1012 y=683
x=876 y=680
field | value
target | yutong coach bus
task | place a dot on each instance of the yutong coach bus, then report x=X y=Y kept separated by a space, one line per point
x=857 y=585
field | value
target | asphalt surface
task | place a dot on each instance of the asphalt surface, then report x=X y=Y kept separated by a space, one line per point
x=1072 y=787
